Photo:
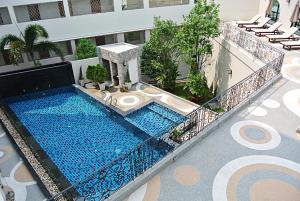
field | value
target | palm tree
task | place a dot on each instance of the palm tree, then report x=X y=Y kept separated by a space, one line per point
x=32 y=40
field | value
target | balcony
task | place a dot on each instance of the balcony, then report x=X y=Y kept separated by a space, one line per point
x=82 y=7
x=41 y=11
x=4 y=16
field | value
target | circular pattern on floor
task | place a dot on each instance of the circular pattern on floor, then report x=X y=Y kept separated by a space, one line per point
x=257 y=111
x=292 y=101
x=186 y=175
x=22 y=174
x=129 y=100
x=229 y=178
x=270 y=103
x=255 y=135
x=291 y=72
x=149 y=191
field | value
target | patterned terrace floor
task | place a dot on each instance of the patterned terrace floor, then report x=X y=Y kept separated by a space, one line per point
x=252 y=156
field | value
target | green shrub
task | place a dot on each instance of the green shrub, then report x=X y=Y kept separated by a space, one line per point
x=85 y=49
x=96 y=73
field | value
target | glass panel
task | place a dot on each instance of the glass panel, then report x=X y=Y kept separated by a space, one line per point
x=135 y=37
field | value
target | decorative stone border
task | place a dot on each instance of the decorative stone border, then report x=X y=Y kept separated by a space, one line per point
x=44 y=181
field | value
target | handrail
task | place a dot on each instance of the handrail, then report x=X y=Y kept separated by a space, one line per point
x=141 y=158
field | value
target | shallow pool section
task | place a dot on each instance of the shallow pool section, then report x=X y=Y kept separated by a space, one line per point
x=78 y=133
x=154 y=119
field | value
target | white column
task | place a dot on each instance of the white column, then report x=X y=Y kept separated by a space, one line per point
x=118 y=5
x=191 y=2
x=12 y=14
x=146 y=4
x=147 y=34
x=73 y=46
x=66 y=7
x=120 y=38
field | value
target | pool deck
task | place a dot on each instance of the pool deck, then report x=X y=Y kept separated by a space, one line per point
x=139 y=95
x=254 y=155
x=15 y=175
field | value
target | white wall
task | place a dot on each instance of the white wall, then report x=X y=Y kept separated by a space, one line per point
x=122 y=21
x=133 y=70
x=286 y=10
x=84 y=63
x=238 y=9
x=25 y=65
x=227 y=56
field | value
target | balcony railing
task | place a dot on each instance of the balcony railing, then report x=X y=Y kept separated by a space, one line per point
x=237 y=94
x=108 y=179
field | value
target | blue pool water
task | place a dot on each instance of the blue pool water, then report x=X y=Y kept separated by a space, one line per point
x=80 y=135
x=154 y=119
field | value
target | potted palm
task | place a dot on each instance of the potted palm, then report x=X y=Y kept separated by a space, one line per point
x=128 y=82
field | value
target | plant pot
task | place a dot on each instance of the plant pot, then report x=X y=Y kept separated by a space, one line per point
x=128 y=84
x=81 y=82
x=101 y=86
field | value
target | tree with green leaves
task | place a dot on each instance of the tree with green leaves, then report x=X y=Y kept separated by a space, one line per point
x=159 y=55
x=196 y=32
x=32 y=40
x=197 y=85
x=85 y=49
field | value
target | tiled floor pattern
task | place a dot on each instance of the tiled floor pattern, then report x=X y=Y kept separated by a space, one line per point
x=141 y=94
x=254 y=156
x=14 y=174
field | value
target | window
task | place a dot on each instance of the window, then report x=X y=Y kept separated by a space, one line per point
x=5 y=58
x=34 y=12
x=104 y=40
x=41 y=11
x=160 y=3
x=85 y=7
x=132 y=4
x=275 y=12
x=297 y=23
x=135 y=37
x=4 y=16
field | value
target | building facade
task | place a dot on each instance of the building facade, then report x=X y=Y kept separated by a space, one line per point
x=103 y=21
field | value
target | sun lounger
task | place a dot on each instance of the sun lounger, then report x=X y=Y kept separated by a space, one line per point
x=288 y=45
x=260 y=25
x=252 y=21
x=271 y=30
x=288 y=35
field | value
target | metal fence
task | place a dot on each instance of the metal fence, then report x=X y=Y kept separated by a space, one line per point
x=229 y=99
x=105 y=181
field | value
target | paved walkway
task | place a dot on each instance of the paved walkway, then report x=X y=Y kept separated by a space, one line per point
x=252 y=156
x=14 y=174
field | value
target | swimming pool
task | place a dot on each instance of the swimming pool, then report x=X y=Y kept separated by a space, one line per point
x=81 y=135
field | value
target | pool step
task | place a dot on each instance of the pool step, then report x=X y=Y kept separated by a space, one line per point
x=166 y=113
